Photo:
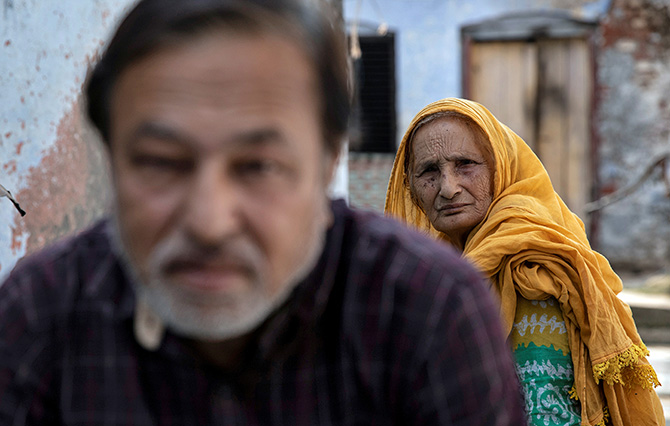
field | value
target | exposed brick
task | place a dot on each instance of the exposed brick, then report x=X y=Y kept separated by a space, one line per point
x=368 y=178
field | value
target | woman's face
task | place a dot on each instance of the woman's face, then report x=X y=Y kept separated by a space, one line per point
x=451 y=175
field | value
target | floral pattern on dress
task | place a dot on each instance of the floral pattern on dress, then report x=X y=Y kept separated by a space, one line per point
x=544 y=364
x=548 y=404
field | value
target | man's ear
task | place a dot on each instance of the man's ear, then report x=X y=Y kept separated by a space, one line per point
x=331 y=163
x=337 y=171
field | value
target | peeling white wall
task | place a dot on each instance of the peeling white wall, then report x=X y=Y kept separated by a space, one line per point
x=45 y=49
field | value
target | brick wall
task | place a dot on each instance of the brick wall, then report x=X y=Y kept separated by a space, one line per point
x=368 y=178
x=633 y=127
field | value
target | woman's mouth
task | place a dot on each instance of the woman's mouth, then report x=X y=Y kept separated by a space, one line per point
x=449 y=209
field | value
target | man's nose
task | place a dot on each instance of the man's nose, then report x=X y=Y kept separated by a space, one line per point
x=449 y=184
x=212 y=211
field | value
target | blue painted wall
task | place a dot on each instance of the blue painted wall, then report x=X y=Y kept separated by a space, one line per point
x=428 y=46
x=48 y=158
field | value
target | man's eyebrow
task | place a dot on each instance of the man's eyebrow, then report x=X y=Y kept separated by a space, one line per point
x=250 y=138
x=155 y=130
x=259 y=137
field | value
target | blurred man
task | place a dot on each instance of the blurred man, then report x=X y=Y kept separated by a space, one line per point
x=227 y=288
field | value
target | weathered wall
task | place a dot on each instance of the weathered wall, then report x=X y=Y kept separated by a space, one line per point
x=48 y=158
x=633 y=125
x=368 y=179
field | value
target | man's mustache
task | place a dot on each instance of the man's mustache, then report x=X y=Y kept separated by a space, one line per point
x=180 y=254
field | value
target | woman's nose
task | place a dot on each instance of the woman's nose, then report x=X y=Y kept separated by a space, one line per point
x=449 y=185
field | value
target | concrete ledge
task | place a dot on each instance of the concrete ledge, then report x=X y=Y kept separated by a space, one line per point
x=652 y=315
x=646 y=300
x=654 y=336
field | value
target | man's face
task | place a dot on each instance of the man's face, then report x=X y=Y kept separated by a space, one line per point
x=220 y=175
x=451 y=176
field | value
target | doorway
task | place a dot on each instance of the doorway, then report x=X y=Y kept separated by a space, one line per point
x=535 y=73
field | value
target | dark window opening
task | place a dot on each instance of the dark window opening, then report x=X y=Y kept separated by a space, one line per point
x=374 y=103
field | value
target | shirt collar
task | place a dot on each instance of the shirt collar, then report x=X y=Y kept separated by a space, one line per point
x=148 y=327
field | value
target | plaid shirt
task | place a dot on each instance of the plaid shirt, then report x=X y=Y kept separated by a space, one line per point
x=390 y=328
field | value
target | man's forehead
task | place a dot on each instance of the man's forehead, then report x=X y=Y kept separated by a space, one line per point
x=216 y=56
x=253 y=84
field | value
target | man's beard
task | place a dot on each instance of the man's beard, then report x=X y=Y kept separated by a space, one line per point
x=227 y=315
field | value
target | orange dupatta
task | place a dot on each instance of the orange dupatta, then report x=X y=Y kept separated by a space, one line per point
x=531 y=243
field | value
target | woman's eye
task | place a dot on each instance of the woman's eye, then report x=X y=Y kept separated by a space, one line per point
x=466 y=162
x=426 y=170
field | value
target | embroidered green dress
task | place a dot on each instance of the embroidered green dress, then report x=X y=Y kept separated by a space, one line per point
x=540 y=345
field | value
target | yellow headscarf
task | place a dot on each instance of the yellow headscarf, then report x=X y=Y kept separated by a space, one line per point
x=531 y=243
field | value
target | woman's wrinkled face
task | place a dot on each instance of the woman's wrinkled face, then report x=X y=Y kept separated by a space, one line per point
x=451 y=175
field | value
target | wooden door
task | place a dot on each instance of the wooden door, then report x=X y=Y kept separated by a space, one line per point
x=542 y=89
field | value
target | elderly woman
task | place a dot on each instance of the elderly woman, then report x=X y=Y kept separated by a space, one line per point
x=463 y=177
